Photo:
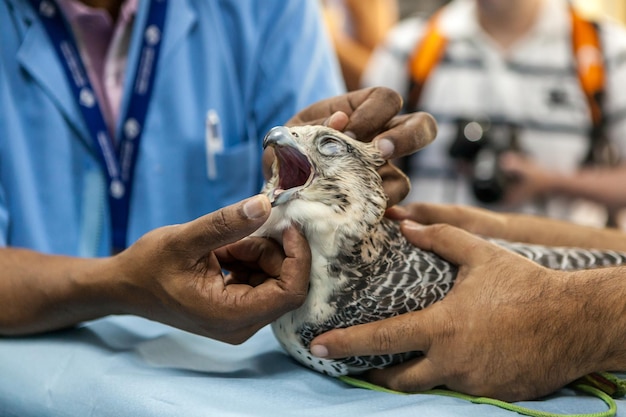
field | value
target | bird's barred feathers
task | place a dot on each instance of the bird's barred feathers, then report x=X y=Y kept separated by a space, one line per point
x=363 y=269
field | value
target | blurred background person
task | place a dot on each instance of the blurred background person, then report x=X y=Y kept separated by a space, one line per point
x=422 y=8
x=356 y=27
x=524 y=91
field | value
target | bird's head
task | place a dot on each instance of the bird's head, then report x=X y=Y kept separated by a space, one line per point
x=323 y=179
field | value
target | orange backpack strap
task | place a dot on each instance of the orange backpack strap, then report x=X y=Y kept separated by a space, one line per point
x=425 y=58
x=590 y=67
x=589 y=63
x=587 y=51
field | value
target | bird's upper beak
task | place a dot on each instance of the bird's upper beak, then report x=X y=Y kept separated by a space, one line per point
x=293 y=168
x=278 y=136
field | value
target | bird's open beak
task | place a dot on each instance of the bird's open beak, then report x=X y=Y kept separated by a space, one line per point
x=293 y=168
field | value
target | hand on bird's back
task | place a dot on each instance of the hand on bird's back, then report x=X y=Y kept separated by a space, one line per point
x=509 y=328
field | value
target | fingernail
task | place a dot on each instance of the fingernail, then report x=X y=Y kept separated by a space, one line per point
x=319 y=350
x=386 y=147
x=411 y=225
x=338 y=120
x=256 y=207
x=350 y=133
x=397 y=211
x=330 y=121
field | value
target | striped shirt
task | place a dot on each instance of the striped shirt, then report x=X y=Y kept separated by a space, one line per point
x=533 y=85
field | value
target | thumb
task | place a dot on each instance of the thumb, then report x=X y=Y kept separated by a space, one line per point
x=226 y=225
x=338 y=121
x=416 y=375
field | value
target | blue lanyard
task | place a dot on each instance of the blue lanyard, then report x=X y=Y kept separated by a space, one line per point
x=118 y=161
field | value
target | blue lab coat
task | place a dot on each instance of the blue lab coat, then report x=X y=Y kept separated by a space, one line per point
x=256 y=63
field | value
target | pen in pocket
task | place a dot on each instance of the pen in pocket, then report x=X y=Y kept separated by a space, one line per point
x=214 y=142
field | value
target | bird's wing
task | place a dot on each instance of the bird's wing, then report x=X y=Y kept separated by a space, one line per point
x=564 y=258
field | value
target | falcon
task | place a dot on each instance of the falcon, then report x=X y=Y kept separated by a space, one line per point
x=363 y=269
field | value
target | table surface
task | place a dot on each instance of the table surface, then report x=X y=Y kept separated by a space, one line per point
x=127 y=366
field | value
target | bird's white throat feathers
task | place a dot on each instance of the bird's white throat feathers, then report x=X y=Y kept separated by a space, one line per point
x=326 y=183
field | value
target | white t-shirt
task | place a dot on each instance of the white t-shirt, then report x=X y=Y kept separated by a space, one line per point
x=534 y=86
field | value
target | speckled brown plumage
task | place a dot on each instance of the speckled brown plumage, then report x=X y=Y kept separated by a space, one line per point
x=363 y=269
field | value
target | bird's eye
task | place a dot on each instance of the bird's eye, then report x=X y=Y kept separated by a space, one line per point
x=329 y=146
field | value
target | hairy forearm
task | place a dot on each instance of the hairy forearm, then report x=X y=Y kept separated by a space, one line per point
x=42 y=292
x=515 y=227
x=372 y=20
x=602 y=185
x=600 y=298
x=552 y=232
x=353 y=58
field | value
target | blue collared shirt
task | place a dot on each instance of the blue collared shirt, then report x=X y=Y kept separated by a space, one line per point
x=255 y=63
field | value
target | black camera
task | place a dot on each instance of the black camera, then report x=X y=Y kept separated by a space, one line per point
x=479 y=144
